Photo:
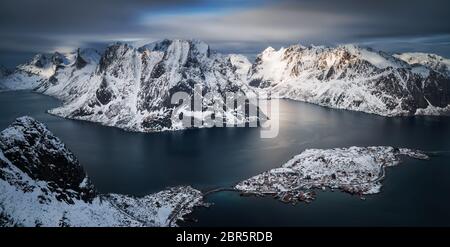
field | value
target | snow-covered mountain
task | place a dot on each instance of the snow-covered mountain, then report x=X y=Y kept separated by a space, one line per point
x=43 y=184
x=72 y=80
x=432 y=61
x=30 y=74
x=353 y=78
x=131 y=88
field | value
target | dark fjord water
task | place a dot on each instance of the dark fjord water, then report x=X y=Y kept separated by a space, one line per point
x=416 y=193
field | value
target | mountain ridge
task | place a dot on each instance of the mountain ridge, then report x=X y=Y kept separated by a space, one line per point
x=131 y=87
x=350 y=77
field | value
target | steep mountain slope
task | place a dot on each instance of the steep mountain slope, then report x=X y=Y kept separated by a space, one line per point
x=43 y=184
x=432 y=61
x=131 y=88
x=72 y=79
x=351 y=77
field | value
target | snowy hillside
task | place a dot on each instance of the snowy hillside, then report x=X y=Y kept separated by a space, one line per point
x=350 y=77
x=131 y=88
x=356 y=170
x=40 y=68
x=432 y=61
x=42 y=184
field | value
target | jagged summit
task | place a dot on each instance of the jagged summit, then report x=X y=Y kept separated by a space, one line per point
x=43 y=68
x=86 y=56
x=351 y=77
x=130 y=87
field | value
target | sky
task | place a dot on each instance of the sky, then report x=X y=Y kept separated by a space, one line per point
x=229 y=26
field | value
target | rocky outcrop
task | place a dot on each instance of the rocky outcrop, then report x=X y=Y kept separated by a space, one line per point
x=43 y=184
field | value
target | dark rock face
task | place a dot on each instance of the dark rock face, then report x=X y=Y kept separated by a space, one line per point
x=40 y=60
x=31 y=147
x=437 y=89
x=158 y=71
x=159 y=122
x=104 y=94
x=112 y=53
x=79 y=62
x=58 y=58
x=260 y=83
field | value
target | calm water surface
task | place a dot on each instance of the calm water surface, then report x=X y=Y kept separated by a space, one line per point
x=416 y=193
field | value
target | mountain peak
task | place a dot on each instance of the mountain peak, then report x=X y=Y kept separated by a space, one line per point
x=269 y=49
x=42 y=156
x=176 y=45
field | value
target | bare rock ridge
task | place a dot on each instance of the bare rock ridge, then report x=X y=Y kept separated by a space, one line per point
x=43 y=184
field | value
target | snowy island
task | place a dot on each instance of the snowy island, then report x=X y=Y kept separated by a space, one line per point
x=355 y=170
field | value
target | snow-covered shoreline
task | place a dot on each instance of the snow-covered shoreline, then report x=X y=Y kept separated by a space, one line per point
x=355 y=170
x=43 y=184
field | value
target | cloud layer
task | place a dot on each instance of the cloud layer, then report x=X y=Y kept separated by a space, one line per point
x=30 y=26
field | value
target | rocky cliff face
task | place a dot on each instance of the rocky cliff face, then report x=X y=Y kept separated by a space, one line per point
x=43 y=184
x=34 y=150
x=131 y=88
x=350 y=77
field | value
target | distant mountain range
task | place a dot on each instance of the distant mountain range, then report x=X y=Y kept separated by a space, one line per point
x=130 y=87
x=354 y=78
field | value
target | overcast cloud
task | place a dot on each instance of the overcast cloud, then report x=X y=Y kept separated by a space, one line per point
x=31 y=26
